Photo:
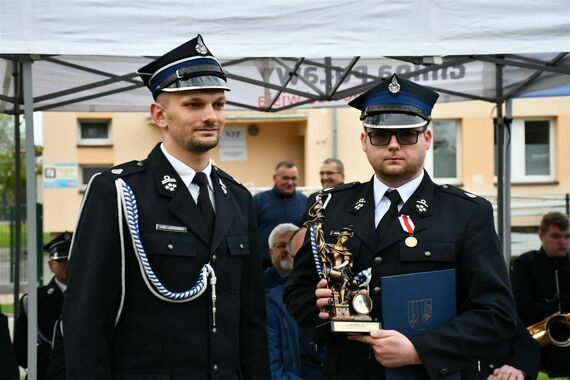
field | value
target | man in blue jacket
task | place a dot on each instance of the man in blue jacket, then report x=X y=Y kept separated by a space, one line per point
x=281 y=204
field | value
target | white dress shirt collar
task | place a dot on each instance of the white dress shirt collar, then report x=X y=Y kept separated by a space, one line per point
x=405 y=191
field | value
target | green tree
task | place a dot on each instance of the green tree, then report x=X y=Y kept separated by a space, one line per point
x=7 y=159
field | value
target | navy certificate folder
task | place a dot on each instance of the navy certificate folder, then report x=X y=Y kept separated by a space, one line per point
x=413 y=304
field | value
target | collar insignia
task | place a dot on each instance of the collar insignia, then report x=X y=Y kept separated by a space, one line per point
x=421 y=206
x=50 y=291
x=394 y=87
x=169 y=183
x=116 y=171
x=200 y=47
x=359 y=204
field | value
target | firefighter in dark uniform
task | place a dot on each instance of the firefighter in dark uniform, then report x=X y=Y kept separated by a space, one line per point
x=50 y=303
x=165 y=276
x=450 y=228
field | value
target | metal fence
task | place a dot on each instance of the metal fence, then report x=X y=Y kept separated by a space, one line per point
x=8 y=245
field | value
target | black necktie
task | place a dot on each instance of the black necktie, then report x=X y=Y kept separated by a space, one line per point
x=392 y=212
x=204 y=203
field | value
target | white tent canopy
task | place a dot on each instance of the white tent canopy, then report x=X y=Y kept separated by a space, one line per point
x=85 y=53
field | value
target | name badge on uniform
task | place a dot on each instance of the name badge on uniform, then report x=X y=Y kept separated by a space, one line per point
x=409 y=227
x=166 y=227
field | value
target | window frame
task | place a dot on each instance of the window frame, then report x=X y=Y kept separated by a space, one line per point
x=518 y=152
x=80 y=179
x=82 y=141
x=429 y=160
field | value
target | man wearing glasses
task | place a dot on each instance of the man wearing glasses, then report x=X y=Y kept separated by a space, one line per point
x=280 y=204
x=331 y=173
x=404 y=223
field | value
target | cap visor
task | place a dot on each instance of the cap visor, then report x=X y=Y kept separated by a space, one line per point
x=394 y=120
x=202 y=82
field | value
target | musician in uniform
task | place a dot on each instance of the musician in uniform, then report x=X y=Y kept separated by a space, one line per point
x=404 y=223
x=165 y=275
x=50 y=303
x=534 y=282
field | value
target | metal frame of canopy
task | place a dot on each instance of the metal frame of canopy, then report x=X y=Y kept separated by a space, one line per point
x=23 y=102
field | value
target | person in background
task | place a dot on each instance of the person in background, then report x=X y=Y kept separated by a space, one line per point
x=533 y=277
x=9 y=363
x=281 y=204
x=331 y=173
x=50 y=304
x=292 y=353
x=281 y=259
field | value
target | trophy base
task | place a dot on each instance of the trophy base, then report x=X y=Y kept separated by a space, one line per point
x=350 y=326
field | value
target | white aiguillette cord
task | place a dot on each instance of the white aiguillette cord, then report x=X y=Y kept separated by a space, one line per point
x=126 y=201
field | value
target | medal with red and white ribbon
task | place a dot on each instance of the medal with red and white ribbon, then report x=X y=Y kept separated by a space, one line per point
x=409 y=227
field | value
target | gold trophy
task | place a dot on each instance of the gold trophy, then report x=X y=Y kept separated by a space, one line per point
x=350 y=308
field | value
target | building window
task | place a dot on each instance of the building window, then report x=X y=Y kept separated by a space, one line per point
x=94 y=132
x=442 y=160
x=532 y=156
x=88 y=171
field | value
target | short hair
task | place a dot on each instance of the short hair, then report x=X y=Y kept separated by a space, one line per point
x=287 y=163
x=281 y=229
x=337 y=162
x=553 y=218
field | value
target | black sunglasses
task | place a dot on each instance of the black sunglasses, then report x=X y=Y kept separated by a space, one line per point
x=403 y=136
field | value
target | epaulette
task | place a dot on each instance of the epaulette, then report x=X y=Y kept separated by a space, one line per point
x=454 y=190
x=343 y=187
x=225 y=175
x=125 y=169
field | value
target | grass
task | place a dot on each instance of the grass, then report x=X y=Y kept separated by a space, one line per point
x=5 y=236
x=7 y=308
x=543 y=376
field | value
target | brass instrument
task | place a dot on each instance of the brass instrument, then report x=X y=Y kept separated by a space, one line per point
x=553 y=329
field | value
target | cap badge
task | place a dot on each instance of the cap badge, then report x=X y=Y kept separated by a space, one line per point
x=359 y=204
x=200 y=47
x=394 y=87
x=116 y=171
x=169 y=183
x=421 y=206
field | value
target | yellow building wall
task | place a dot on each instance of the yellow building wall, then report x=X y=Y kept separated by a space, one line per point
x=304 y=136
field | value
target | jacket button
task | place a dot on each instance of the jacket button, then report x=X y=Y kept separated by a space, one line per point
x=376 y=290
x=170 y=247
x=214 y=258
x=241 y=245
x=377 y=260
x=214 y=331
x=443 y=371
x=215 y=368
x=427 y=253
x=139 y=163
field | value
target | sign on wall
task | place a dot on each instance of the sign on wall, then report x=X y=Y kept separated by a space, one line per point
x=233 y=144
x=61 y=175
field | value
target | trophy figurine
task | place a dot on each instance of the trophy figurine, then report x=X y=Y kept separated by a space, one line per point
x=350 y=306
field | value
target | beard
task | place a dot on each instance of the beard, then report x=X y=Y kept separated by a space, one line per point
x=202 y=145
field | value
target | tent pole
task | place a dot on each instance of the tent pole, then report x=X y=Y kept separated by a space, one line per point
x=18 y=187
x=507 y=187
x=500 y=131
x=31 y=219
